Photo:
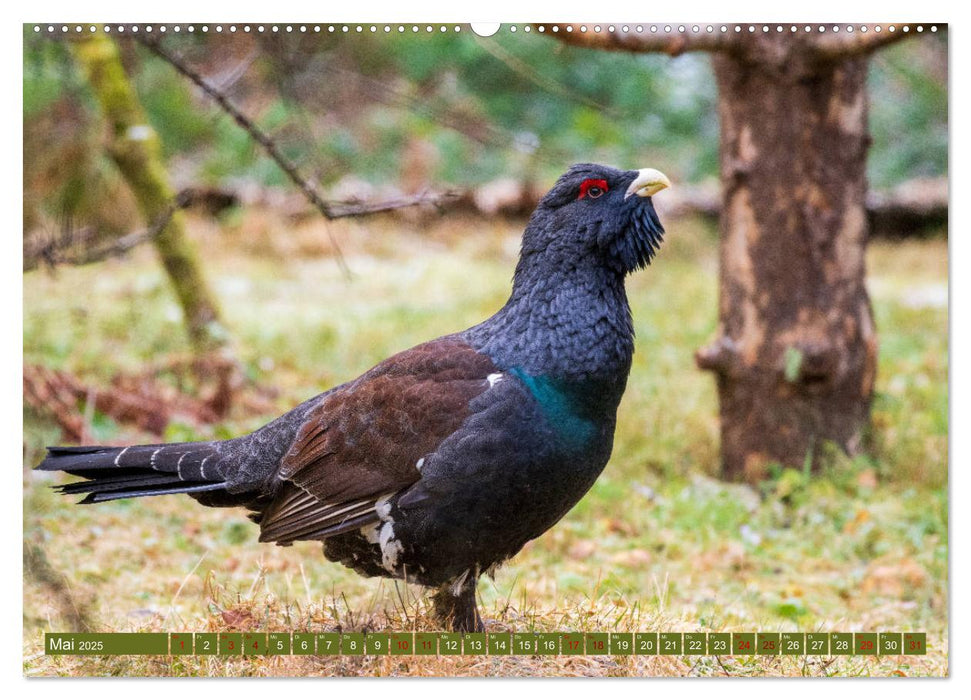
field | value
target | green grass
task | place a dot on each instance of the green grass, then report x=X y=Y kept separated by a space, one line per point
x=658 y=543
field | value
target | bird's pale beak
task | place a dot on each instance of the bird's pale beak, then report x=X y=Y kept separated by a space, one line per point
x=647 y=183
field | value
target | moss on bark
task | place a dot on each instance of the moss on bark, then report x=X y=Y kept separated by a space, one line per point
x=134 y=148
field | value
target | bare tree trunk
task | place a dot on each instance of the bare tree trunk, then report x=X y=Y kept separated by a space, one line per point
x=795 y=354
x=134 y=148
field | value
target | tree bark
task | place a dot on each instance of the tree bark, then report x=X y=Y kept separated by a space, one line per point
x=795 y=352
x=134 y=148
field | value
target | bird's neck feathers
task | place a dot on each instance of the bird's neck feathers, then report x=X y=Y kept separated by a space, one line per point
x=566 y=320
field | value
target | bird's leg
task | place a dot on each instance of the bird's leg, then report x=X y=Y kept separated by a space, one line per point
x=455 y=608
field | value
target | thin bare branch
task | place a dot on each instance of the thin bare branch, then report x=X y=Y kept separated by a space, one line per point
x=436 y=199
x=840 y=46
x=328 y=210
x=257 y=134
x=69 y=249
x=645 y=41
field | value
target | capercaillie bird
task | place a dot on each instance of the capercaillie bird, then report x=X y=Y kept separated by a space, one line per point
x=441 y=462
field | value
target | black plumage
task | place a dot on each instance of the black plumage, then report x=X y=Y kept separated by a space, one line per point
x=441 y=462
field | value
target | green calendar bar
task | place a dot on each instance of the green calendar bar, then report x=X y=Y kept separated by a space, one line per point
x=548 y=643
x=915 y=643
x=278 y=643
x=351 y=644
x=645 y=643
x=402 y=643
x=792 y=644
x=112 y=643
x=450 y=643
x=719 y=643
x=669 y=644
x=181 y=643
x=865 y=644
x=491 y=644
x=426 y=643
x=329 y=643
x=500 y=643
x=230 y=643
x=891 y=643
x=304 y=643
x=768 y=643
x=817 y=644
x=621 y=643
x=695 y=643
x=254 y=644
x=524 y=644
x=743 y=643
x=598 y=643
x=206 y=643
x=475 y=643
x=571 y=643
x=841 y=643
x=377 y=643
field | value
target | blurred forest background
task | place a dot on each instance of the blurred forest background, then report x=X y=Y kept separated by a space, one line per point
x=658 y=542
x=446 y=110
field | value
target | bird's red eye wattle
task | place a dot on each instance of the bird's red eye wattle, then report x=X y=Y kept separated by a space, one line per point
x=592 y=188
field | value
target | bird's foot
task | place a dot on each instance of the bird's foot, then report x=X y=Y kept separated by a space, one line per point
x=458 y=612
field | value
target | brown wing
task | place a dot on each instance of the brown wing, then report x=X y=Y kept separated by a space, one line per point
x=364 y=440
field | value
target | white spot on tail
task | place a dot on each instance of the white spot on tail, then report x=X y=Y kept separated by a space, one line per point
x=494 y=379
x=202 y=467
x=151 y=460
x=390 y=547
x=118 y=458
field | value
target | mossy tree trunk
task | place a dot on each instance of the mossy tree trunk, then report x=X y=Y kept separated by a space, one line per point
x=134 y=148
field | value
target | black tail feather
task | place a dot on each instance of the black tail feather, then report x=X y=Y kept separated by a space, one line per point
x=182 y=487
x=118 y=483
x=111 y=473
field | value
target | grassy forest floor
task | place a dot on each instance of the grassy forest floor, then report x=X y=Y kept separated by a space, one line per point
x=658 y=543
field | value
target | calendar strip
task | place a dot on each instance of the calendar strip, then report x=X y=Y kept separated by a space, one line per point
x=489 y=644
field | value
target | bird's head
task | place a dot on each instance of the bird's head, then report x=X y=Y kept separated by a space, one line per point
x=597 y=214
